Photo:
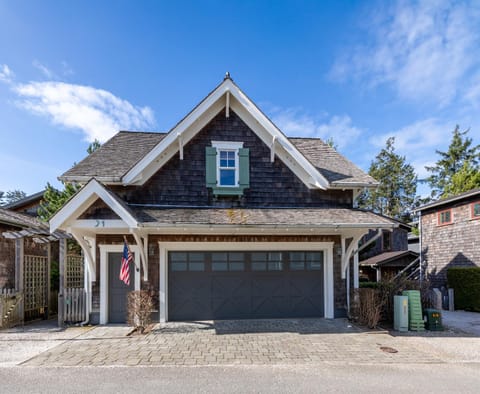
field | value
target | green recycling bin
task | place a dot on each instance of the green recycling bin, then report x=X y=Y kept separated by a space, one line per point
x=433 y=319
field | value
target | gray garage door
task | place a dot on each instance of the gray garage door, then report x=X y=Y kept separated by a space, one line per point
x=242 y=285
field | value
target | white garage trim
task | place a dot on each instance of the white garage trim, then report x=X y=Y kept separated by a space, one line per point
x=104 y=250
x=326 y=247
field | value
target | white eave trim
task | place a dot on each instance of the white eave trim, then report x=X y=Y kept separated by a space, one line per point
x=83 y=200
x=202 y=114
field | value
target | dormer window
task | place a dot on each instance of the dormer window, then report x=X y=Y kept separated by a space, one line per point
x=227 y=167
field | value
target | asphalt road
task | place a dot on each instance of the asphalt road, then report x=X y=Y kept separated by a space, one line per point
x=424 y=378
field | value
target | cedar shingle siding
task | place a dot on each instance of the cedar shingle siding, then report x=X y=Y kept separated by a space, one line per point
x=182 y=182
x=451 y=245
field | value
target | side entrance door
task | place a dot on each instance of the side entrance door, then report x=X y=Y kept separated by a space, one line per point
x=117 y=290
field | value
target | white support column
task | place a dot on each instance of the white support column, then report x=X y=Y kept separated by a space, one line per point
x=356 y=281
x=163 y=284
x=379 y=274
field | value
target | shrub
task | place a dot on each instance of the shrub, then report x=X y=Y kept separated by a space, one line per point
x=466 y=283
x=369 y=285
x=139 y=308
x=370 y=305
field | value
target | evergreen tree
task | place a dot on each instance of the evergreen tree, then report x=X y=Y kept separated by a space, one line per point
x=396 y=194
x=11 y=196
x=465 y=179
x=460 y=151
x=54 y=199
x=93 y=146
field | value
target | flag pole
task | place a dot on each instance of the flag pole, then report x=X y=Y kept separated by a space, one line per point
x=129 y=251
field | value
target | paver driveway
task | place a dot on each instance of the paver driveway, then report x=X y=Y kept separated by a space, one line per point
x=246 y=342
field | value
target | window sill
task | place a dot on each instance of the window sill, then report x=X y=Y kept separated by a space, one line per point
x=227 y=191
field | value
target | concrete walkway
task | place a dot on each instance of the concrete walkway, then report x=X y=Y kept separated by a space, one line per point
x=467 y=322
x=280 y=342
x=251 y=342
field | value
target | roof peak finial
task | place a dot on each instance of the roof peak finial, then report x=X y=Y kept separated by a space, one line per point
x=227 y=76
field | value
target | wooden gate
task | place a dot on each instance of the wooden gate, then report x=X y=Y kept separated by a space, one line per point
x=35 y=286
x=75 y=305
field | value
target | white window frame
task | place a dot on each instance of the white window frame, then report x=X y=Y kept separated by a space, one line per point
x=229 y=146
x=326 y=247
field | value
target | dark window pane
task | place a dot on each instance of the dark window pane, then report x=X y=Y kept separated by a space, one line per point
x=196 y=256
x=297 y=256
x=237 y=266
x=275 y=266
x=197 y=266
x=219 y=256
x=476 y=210
x=314 y=266
x=314 y=256
x=236 y=256
x=179 y=266
x=297 y=265
x=227 y=177
x=259 y=256
x=259 y=266
x=219 y=266
x=178 y=256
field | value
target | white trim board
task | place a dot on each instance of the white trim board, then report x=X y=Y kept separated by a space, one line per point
x=104 y=250
x=326 y=247
x=188 y=127
x=84 y=198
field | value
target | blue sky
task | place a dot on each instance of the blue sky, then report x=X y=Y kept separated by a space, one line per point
x=359 y=72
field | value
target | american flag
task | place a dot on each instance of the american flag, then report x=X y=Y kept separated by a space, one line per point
x=125 y=266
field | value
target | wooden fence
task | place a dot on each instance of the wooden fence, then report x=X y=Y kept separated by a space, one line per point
x=11 y=308
x=35 y=285
x=74 y=305
x=74 y=271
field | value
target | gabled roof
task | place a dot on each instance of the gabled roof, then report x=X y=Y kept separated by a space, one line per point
x=20 y=220
x=110 y=162
x=270 y=217
x=387 y=257
x=448 y=200
x=339 y=171
x=33 y=198
x=132 y=158
x=84 y=198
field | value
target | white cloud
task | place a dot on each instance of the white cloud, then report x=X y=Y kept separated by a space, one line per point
x=6 y=74
x=97 y=113
x=296 y=123
x=425 y=50
x=44 y=70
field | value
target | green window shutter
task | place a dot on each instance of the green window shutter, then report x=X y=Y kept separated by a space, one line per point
x=211 y=166
x=243 y=161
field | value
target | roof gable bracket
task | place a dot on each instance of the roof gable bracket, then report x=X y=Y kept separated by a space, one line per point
x=88 y=246
x=227 y=104
x=180 y=145
x=347 y=254
x=272 y=149
x=142 y=243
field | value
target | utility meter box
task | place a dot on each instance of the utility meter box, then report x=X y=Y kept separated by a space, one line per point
x=400 y=309
x=433 y=319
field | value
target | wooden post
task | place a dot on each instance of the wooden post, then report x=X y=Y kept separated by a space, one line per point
x=61 y=290
x=49 y=267
x=19 y=279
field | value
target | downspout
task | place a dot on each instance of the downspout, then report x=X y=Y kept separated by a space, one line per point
x=420 y=244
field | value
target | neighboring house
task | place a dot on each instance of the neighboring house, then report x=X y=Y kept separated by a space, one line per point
x=225 y=215
x=383 y=254
x=28 y=205
x=25 y=256
x=450 y=235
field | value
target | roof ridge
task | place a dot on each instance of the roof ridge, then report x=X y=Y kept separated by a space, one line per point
x=142 y=132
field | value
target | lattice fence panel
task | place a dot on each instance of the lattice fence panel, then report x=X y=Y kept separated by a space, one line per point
x=74 y=272
x=35 y=285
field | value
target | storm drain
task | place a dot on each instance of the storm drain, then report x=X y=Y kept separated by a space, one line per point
x=388 y=349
